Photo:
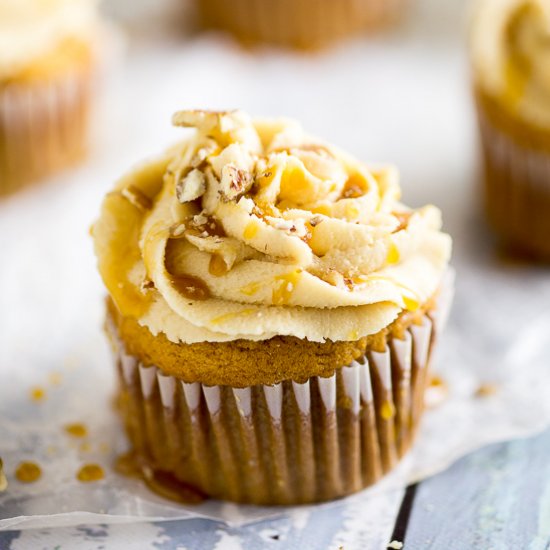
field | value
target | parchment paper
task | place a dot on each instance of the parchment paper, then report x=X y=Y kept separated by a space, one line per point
x=51 y=303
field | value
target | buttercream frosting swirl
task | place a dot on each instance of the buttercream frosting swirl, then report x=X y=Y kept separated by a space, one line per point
x=31 y=28
x=511 y=55
x=252 y=228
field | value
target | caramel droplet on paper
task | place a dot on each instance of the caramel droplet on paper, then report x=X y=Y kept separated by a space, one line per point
x=162 y=483
x=76 y=430
x=127 y=464
x=37 y=394
x=90 y=472
x=28 y=472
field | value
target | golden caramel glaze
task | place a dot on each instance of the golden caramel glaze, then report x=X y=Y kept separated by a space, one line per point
x=242 y=363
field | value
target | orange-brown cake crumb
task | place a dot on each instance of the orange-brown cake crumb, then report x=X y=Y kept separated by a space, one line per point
x=242 y=363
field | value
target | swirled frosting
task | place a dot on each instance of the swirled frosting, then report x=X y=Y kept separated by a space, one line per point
x=31 y=28
x=511 y=55
x=251 y=229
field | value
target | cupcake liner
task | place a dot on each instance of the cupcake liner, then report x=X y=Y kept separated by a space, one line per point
x=43 y=127
x=517 y=180
x=298 y=23
x=289 y=443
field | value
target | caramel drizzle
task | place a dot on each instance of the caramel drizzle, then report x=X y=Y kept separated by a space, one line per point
x=403 y=219
x=160 y=482
x=217 y=266
x=192 y=288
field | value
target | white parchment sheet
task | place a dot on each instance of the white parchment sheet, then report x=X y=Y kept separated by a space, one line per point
x=404 y=98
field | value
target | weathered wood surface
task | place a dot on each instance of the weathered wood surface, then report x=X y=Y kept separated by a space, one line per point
x=497 y=498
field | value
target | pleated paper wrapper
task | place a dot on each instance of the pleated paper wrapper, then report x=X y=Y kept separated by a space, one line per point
x=303 y=24
x=517 y=179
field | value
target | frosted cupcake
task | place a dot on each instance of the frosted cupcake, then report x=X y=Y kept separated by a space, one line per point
x=304 y=24
x=510 y=50
x=272 y=309
x=47 y=56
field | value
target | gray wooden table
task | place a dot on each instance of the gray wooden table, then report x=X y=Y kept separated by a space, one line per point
x=495 y=499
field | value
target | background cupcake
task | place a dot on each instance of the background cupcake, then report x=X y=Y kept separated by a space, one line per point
x=305 y=24
x=511 y=70
x=47 y=60
x=272 y=311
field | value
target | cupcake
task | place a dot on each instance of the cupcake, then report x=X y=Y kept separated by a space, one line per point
x=272 y=311
x=47 y=56
x=303 y=24
x=510 y=48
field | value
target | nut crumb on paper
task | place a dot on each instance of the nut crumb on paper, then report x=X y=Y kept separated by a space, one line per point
x=486 y=390
x=395 y=545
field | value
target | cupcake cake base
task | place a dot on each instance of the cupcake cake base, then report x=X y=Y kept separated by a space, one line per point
x=286 y=443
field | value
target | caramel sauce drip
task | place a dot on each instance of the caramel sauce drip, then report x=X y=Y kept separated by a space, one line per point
x=90 y=472
x=160 y=482
x=122 y=255
x=282 y=294
x=217 y=266
x=263 y=209
x=28 y=472
x=309 y=232
x=76 y=430
x=403 y=219
x=191 y=287
x=354 y=187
